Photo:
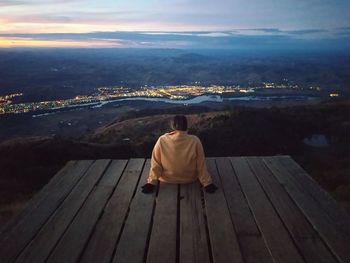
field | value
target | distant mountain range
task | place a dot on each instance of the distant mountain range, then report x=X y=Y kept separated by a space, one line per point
x=46 y=74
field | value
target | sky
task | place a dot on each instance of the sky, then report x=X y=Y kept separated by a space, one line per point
x=174 y=23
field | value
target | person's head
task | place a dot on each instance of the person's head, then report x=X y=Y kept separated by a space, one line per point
x=179 y=122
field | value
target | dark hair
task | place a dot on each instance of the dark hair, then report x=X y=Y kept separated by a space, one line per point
x=179 y=122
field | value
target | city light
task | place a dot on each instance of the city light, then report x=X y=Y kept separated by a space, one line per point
x=173 y=92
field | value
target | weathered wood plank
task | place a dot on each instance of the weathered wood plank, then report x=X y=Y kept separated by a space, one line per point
x=41 y=246
x=193 y=239
x=15 y=240
x=162 y=246
x=38 y=197
x=113 y=173
x=137 y=225
x=72 y=242
x=339 y=215
x=259 y=199
x=240 y=212
x=223 y=239
x=306 y=238
x=102 y=243
x=251 y=249
x=252 y=244
x=335 y=239
x=275 y=235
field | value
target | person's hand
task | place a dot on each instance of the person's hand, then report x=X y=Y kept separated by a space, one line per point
x=211 y=188
x=147 y=188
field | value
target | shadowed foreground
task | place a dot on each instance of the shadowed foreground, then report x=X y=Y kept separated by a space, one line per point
x=267 y=209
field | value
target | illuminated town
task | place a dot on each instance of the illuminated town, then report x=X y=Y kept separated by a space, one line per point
x=179 y=92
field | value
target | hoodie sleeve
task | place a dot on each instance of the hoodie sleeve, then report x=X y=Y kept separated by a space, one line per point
x=156 y=164
x=203 y=174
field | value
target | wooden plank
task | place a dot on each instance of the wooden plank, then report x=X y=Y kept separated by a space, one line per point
x=42 y=245
x=193 y=239
x=162 y=246
x=336 y=240
x=137 y=225
x=305 y=237
x=252 y=244
x=38 y=197
x=113 y=173
x=223 y=239
x=240 y=212
x=251 y=249
x=294 y=219
x=16 y=240
x=102 y=243
x=275 y=235
x=339 y=215
x=74 y=239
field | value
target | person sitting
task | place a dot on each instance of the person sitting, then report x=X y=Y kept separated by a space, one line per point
x=178 y=158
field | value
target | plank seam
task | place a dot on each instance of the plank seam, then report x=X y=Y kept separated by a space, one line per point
x=227 y=205
x=206 y=227
x=87 y=197
x=246 y=201
x=324 y=193
x=251 y=210
x=101 y=214
x=177 y=254
x=293 y=239
x=30 y=205
x=53 y=212
x=151 y=225
x=321 y=238
x=127 y=212
x=225 y=246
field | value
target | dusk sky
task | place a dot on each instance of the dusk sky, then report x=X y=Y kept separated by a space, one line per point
x=172 y=23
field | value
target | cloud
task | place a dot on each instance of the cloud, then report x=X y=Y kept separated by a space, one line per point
x=306 y=31
x=267 y=30
x=214 y=34
x=206 y=39
x=192 y=23
x=293 y=32
x=14 y=42
x=344 y=28
x=296 y=34
x=4 y=3
x=268 y=16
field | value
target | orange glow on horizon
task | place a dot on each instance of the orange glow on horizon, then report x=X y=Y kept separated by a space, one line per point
x=16 y=27
x=28 y=42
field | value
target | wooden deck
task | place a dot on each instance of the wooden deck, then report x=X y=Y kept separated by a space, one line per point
x=267 y=209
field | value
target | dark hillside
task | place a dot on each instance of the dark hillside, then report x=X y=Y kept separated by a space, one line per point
x=28 y=163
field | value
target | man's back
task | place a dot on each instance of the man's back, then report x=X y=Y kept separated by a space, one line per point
x=178 y=158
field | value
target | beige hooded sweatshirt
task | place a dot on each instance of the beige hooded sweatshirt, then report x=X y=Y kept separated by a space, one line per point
x=178 y=158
